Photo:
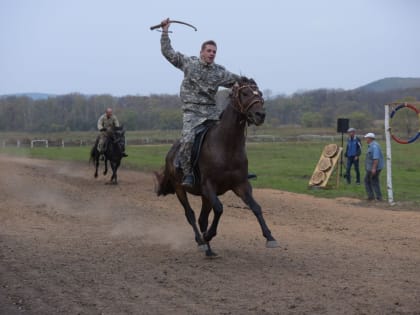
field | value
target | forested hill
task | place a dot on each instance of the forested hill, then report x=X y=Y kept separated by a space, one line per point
x=76 y=112
x=388 y=84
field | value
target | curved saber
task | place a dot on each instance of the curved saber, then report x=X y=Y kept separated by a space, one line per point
x=174 y=21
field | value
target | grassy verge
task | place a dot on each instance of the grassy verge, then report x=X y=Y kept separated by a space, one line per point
x=285 y=166
x=288 y=166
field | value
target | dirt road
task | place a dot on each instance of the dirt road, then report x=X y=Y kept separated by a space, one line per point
x=69 y=244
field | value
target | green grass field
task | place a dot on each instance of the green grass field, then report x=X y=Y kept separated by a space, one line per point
x=159 y=135
x=285 y=166
x=288 y=166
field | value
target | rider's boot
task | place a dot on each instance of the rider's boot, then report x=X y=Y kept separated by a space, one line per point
x=188 y=181
x=185 y=161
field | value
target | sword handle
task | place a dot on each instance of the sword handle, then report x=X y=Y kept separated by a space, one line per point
x=155 y=26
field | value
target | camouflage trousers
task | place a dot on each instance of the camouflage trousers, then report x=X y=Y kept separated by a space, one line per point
x=102 y=138
x=185 y=150
x=193 y=116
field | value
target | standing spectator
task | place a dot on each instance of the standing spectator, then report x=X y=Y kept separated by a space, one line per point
x=374 y=164
x=353 y=151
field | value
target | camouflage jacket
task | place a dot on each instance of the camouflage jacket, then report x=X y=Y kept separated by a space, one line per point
x=201 y=80
x=105 y=122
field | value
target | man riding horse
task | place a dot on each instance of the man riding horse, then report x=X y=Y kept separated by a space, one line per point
x=106 y=123
x=202 y=78
x=222 y=163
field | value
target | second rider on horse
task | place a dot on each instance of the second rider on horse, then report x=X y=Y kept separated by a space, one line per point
x=202 y=78
x=106 y=123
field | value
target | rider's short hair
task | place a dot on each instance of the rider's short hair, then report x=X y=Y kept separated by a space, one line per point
x=208 y=42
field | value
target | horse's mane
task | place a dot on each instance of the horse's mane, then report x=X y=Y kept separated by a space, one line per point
x=242 y=81
x=245 y=80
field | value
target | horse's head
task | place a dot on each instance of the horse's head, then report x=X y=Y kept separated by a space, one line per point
x=247 y=99
x=118 y=136
x=118 y=132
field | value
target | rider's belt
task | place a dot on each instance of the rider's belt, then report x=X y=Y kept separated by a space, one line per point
x=203 y=104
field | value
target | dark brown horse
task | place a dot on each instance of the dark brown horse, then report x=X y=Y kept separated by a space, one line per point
x=223 y=165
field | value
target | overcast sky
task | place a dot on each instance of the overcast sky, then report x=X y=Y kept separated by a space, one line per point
x=104 y=46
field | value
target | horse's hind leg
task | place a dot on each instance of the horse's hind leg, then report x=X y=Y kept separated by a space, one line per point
x=218 y=211
x=189 y=214
x=96 y=165
x=245 y=193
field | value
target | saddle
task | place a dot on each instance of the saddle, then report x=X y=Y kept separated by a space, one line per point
x=201 y=132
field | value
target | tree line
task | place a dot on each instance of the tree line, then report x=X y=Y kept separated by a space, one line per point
x=77 y=112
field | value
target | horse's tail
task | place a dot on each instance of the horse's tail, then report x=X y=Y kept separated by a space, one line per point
x=164 y=185
x=165 y=180
x=93 y=151
x=92 y=154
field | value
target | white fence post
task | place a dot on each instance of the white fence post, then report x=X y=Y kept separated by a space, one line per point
x=388 y=157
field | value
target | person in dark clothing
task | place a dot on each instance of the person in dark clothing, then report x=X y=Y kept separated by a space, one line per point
x=353 y=151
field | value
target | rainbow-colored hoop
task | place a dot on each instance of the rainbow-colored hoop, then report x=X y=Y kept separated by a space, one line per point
x=412 y=139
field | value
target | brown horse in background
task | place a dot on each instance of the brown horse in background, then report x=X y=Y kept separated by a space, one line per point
x=222 y=164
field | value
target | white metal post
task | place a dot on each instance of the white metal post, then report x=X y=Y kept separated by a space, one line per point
x=388 y=157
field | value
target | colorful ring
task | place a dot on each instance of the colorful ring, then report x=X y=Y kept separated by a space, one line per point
x=412 y=139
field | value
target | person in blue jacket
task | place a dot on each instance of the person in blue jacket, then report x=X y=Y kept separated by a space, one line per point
x=353 y=151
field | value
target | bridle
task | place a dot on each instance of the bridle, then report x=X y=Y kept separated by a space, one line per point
x=244 y=108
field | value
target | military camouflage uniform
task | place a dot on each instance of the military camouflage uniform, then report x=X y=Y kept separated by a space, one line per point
x=105 y=123
x=198 y=92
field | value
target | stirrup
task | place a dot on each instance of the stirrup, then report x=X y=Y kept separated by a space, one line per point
x=252 y=175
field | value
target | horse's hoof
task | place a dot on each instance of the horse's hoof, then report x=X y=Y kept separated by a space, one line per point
x=211 y=254
x=203 y=247
x=272 y=244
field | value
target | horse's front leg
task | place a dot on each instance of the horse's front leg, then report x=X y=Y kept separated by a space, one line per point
x=245 y=193
x=114 y=167
x=106 y=165
x=203 y=220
